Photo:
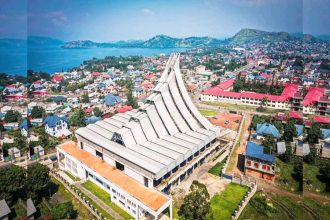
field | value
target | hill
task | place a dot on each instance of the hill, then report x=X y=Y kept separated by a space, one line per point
x=248 y=36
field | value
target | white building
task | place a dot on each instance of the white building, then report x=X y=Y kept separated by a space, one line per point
x=55 y=125
x=138 y=156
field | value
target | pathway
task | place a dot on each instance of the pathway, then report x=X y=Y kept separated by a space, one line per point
x=240 y=152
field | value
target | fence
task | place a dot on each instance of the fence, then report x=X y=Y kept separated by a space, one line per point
x=245 y=201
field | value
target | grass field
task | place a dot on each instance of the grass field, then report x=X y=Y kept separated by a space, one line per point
x=319 y=211
x=224 y=204
x=105 y=197
x=216 y=169
x=313 y=180
x=236 y=107
x=287 y=179
x=71 y=176
x=207 y=113
x=267 y=206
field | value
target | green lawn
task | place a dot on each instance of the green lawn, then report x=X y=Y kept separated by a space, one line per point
x=269 y=206
x=287 y=179
x=312 y=178
x=319 y=211
x=105 y=197
x=224 y=204
x=175 y=213
x=216 y=169
x=71 y=176
x=206 y=112
x=19 y=210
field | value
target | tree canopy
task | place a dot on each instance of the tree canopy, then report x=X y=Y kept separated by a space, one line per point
x=77 y=119
x=97 y=112
x=37 y=179
x=38 y=112
x=196 y=205
x=289 y=131
x=63 y=211
x=13 y=116
x=269 y=145
x=314 y=133
x=85 y=98
x=12 y=180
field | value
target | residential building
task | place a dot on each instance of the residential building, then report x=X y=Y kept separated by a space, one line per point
x=55 y=125
x=259 y=164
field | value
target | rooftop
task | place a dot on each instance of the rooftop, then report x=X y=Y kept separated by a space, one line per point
x=257 y=151
x=147 y=196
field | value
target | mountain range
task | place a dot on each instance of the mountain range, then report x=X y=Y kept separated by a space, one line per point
x=244 y=36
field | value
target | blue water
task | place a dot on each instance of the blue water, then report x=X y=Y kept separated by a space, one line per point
x=13 y=61
x=51 y=60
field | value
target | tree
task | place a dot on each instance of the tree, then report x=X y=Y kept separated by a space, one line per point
x=264 y=102
x=2 y=129
x=278 y=125
x=97 y=112
x=20 y=140
x=324 y=171
x=314 y=133
x=12 y=180
x=131 y=101
x=43 y=136
x=77 y=119
x=13 y=116
x=63 y=211
x=269 y=144
x=37 y=179
x=289 y=131
x=196 y=205
x=259 y=119
x=85 y=98
x=38 y=112
x=311 y=157
x=215 y=82
x=287 y=156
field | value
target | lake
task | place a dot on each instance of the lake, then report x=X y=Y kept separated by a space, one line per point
x=53 y=59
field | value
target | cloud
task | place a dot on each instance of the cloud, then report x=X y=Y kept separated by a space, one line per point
x=58 y=18
x=147 y=11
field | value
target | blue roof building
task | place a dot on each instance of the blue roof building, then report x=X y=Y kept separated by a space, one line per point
x=257 y=151
x=267 y=129
x=24 y=127
x=325 y=133
x=51 y=120
x=111 y=100
x=300 y=130
x=56 y=126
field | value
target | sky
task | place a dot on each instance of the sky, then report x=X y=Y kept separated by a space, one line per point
x=112 y=20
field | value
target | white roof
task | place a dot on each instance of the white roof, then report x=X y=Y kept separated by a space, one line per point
x=159 y=135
